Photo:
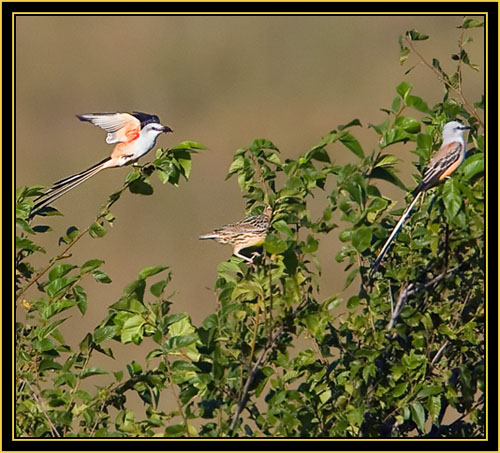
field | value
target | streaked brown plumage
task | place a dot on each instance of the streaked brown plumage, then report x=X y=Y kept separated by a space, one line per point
x=249 y=232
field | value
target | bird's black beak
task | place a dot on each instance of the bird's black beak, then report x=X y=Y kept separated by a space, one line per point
x=166 y=129
x=465 y=128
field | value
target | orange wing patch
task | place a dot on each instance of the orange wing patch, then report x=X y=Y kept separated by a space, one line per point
x=130 y=129
x=121 y=127
x=450 y=169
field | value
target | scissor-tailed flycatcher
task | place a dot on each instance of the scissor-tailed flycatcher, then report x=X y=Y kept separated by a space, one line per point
x=135 y=135
x=441 y=166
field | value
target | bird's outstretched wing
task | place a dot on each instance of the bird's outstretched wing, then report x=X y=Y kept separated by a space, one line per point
x=121 y=127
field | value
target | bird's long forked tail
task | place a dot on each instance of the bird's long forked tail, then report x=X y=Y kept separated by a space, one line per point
x=65 y=185
x=393 y=234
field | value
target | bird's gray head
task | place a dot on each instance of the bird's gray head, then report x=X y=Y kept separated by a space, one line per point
x=453 y=131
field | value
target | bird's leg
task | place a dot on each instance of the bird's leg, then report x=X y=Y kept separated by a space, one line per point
x=254 y=254
x=252 y=264
x=235 y=253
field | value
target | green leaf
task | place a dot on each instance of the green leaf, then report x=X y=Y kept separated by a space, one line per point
x=262 y=143
x=417 y=103
x=351 y=143
x=403 y=89
x=100 y=276
x=430 y=391
x=353 y=302
x=354 y=122
x=311 y=245
x=133 y=327
x=59 y=285
x=26 y=244
x=158 y=288
x=418 y=415
x=396 y=104
x=410 y=125
x=414 y=35
x=92 y=371
x=361 y=238
x=399 y=389
x=273 y=244
x=49 y=328
x=60 y=271
x=190 y=145
x=173 y=344
x=102 y=334
x=283 y=228
x=473 y=166
x=81 y=298
x=140 y=187
x=150 y=271
x=472 y=23
x=350 y=278
x=90 y=265
x=452 y=198
x=96 y=230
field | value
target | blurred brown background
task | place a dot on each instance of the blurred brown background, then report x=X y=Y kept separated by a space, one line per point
x=221 y=81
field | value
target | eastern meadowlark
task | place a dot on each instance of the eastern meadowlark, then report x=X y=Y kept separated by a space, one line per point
x=249 y=232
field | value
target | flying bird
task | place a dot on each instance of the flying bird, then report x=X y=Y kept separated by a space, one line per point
x=249 y=232
x=446 y=160
x=134 y=134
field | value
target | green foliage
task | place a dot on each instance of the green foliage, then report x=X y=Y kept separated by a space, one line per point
x=404 y=351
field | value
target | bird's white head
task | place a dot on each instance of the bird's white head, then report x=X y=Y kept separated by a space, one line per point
x=453 y=132
x=155 y=129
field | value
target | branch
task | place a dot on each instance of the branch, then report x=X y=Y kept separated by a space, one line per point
x=410 y=289
x=472 y=111
x=244 y=396
x=65 y=251
x=53 y=429
x=269 y=346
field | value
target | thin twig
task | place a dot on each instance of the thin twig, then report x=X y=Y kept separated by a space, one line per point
x=440 y=351
x=251 y=376
x=411 y=289
x=468 y=107
x=53 y=429
x=51 y=263
x=178 y=401
x=254 y=339
x=403 y=297
x=65 y=251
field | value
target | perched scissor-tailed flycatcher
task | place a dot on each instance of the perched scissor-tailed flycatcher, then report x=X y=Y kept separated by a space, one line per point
x=134 y=133
x=441 y=166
